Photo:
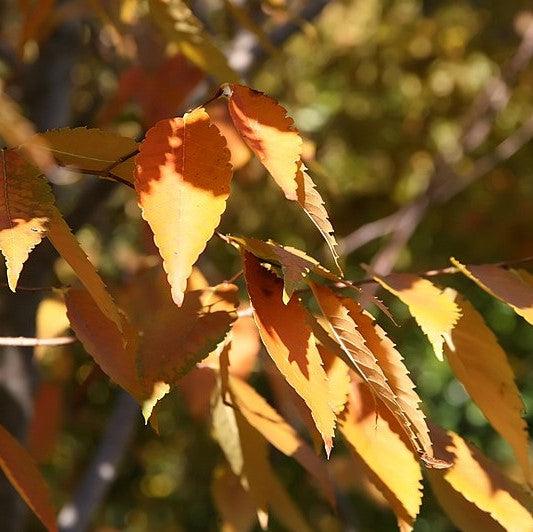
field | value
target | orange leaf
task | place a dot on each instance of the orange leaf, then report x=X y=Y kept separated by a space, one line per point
x=474 y=492
x=270 y=133
x=507 y=286
x=182 y=180
x=389 y=464
x=339 y=313
x=23 y=474
x=290 y=343
x=481 y=365
x=26 y=207
x=433 y=309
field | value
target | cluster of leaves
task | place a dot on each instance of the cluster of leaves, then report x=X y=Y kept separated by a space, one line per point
x=344 y=372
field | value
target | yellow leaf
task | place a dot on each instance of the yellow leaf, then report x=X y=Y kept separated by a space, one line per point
x=179 y=25
x=290 y=343
x=294 y=263
x=270 y=133
x=339 y=314
x=24 y=476
x=182 y=180
x=278 y=432
x=474 y=492
x=91 y=149
x=26 y=207
x=388 y=462
x=339 y=382
x=505 y=285
x=481 y=365
x=433 y=309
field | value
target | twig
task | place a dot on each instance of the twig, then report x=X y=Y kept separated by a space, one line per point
x=22 y=341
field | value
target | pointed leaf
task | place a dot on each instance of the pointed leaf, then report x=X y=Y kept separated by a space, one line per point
x=433 y=309
x=290 y=343
x=182 y=180
x=355 y=352
x=24 y=476
x=390 y=465
x=482 y=366
x=26 y=206
x=503 y=284
x=270 y=133
x=474 y=492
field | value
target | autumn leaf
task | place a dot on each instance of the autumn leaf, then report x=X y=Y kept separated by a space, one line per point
x=182 y=181
x=26 y=208
x=278 y=432
x=475 y=494
x=24 y=476
x=379 y=449
x=270 y=133
x=505 y=285
x=290 y=343
x=178 y=25
x=295 y=264
x=92 y=150
x=339 y=314
x=434 y=310
x=481 y=365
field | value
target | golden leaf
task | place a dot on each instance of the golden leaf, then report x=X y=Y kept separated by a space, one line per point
x=433 y=309
x=290 y=343
x=182 y=180
x=481 y=365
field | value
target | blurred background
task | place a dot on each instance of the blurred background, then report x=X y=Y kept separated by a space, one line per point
x=416 y=114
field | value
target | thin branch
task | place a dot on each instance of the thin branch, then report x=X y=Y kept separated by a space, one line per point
x=22 y=341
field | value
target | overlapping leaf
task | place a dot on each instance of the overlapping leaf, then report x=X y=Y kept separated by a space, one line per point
x=295 y=264
x=388 y=462
x=481 y=365
x=433 y=309
x=179 y=25
x=339 y=314
x=475 y=494
x=23 y=474
x=182 y=180
x=503 y=284
x=290 y=343
x=264 y=125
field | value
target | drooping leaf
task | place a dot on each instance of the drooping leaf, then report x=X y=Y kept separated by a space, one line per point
x=379 y=449
x=182 y=180
x=91 y=149
x=24 y=476
x=475 y=494
x=69 y=248
x=433 y=309
x=179 y=25
x=278 y=432
x=503 y=284
x=270 y=133
x=295 y=264
x=339 y=381
x=391 y=362
x=290 y=343
x=356 y=353
x=482 y=366
x=26 y=207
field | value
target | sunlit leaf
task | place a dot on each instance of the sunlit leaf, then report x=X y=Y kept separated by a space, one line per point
x=182 y=180
x=290 y=343
x=433 y=309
